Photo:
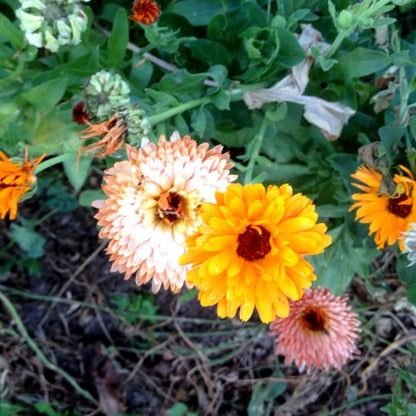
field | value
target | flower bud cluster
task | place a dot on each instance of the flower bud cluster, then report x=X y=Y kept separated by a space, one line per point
x=103 y=92
x=137 y=124
x=52 y=23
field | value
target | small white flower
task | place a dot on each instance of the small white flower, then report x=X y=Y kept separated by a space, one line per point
x=52 y=23
x=29 y=22
x=35 y=39
x=34 y=4
x=50 y=42
x=409 y=241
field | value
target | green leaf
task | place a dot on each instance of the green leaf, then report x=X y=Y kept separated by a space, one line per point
x=77 y=172
x=218 y=73
x=336 y=266
x=117 y=43
x=263 y=395
x=60 y=199
x=28 y=240
x=210 y=51
x=199 y=121
x=182 y=81
x=363 y=61
x=407 y=275
x=10 y=32
x=290 y=52
x=391 y=137
x=197 y=12
x=141 y=72
x=87 y=197
x=45 y=96
x=221 y=99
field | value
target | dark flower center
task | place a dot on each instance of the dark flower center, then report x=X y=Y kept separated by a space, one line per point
x=253 y=245
x=400 y=210
x=171 y=207
x=314 y=319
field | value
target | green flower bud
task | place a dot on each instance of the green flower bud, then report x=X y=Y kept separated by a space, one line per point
x=137 y=124
x=345 y=19
x=103 y=92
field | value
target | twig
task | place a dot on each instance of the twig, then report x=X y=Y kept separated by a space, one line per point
x=32 y=344
x=157 y=61
x=386 y=351
x=71 y=279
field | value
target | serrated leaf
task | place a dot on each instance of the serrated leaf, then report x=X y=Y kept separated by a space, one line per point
x=117 y=43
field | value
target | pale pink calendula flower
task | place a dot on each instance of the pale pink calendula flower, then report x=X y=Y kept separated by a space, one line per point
x=321 y=331
x=152 y=205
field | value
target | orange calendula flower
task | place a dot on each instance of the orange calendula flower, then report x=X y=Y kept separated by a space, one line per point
x=321 y=331
x=113 y=132
x=152 y=205
x=249 y=253
x=389 y=215
x=16 y=178
x=145 y=12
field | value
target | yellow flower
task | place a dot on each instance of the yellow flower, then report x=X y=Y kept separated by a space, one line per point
x=388 y=215
x=15 y=180
x=249 y=251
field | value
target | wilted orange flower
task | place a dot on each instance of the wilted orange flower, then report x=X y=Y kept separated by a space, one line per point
x=145 y=12
x=152 y=205
x=320 y=332
x=249 y=252
x=113 y=132
x=16 y=179
x=389 y=215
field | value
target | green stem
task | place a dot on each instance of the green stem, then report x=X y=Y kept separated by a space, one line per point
x=255 y=151
x=158 y=118
x=22 y=329
x=336 y=43
x=54 y=161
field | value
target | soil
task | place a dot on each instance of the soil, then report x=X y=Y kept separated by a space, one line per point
x=144 y=355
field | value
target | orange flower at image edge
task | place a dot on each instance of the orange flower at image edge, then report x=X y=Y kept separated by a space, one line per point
x=145 y=12
x=16 y=178
x=388 y=215
x=321 y=331
x=249 y=251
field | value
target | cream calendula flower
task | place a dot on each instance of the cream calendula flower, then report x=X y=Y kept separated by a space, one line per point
x=153 y=205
